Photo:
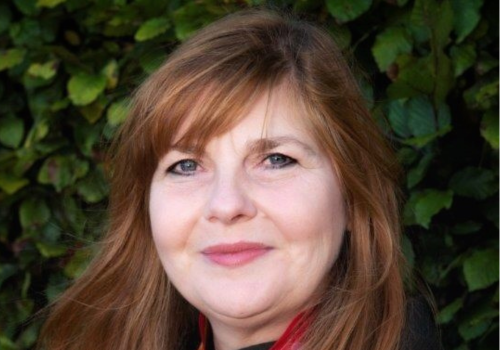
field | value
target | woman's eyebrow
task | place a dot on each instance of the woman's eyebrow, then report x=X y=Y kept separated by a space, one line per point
x=186 y=149
x=261 y=145
x=268 y=144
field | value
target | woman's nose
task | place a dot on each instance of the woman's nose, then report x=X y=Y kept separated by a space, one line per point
x=229 y=201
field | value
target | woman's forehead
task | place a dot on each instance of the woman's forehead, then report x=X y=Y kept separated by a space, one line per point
x=269 y=112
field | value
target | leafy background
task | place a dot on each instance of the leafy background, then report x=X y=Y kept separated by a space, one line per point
x=67 y=68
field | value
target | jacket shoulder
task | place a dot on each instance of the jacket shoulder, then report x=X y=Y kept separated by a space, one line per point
x=420 y=330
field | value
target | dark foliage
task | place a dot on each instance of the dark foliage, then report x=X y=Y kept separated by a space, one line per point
x=67 y=68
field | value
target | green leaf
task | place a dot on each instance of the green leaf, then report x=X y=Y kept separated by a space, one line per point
x=347 y=10
x=45 y=71
x=152 y=28
x=93 y=188
x=11 y=58
x=10 y=184
x=93 y=112
x=483 y=95
x=466 y=17
x=415 y=77
x=7 y=344
x=487 y=95
x=463 y=57
x=50 y=234
x=27 y=32
x=489 y=127
x=443 y=77
x=474 y=330
x=421 y=141
x=29 y=335
x=406 y=155
x=49 y=3
x=422 y=120
x=33 y=213
x=151 y=61
x=443 y=25
x=117 y=112
x=448 y=312
x=51 y=250
x=78 y=263
x=37 y=133
x=444 y=116
x=61 y=171
x=57 y=284
x=366 y=91
x=110 y=71
x=189 y=18
x=27 y=7
x=75 y=215
x=475 y=183
x=478 y=318
x=420 y=34
x=83 y=88
x=416 y=174
x=424 y=13
x=422 y=206
x=481 y=269
x=86 y=136
x=389 y=44
x=11 y=131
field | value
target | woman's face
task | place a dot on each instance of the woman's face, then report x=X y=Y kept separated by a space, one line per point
x=251 y=228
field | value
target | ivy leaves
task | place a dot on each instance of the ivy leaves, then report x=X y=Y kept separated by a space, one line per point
x=347 y=10
x=11 y=58
x=68 y=67
x=85 y=88
x=441 y=104
x=389 y=44
x=152 y=28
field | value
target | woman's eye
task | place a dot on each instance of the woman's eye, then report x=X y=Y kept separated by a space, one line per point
x=278 y=161
x=184 y=167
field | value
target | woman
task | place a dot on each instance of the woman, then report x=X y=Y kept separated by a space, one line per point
x=253 y=203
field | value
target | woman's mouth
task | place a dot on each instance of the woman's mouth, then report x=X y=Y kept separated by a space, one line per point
x=235 y=254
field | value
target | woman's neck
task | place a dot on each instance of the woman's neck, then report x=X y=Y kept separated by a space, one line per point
x=231 y=337
x=242 y=333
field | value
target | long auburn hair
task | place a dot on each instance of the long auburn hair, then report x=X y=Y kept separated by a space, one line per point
x=125 y=301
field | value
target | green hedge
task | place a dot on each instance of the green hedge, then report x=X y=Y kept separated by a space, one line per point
x=67 y=68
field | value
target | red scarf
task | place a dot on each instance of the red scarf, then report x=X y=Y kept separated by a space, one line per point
x=289 y=340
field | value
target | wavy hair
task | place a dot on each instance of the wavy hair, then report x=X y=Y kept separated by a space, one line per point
x=124 y=299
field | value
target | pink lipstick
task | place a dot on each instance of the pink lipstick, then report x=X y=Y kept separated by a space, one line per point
x=235 y=254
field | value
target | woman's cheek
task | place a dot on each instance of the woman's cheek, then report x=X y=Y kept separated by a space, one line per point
x=171 y=215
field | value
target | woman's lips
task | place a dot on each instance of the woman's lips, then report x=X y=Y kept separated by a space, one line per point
x=235 y=254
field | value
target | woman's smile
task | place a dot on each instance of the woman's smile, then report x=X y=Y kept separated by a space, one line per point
x=235 y=254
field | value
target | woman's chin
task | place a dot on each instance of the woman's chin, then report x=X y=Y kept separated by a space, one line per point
x=238 y=295
x=237 y=306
